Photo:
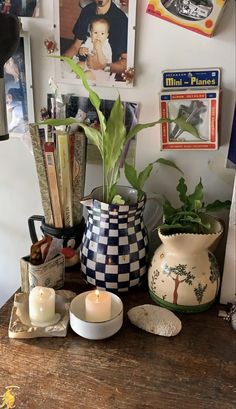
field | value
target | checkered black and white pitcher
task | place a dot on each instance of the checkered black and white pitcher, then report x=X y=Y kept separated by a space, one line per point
x=114 y=246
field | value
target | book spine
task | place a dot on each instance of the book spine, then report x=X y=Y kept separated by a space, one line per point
x=49 y=149
x=65 y=179
x=42 y=174
x=78 y=174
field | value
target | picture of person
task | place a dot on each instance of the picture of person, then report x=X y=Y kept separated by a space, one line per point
x=15 y=117
x=97 y=45
x=19 y=97
x=21 y=8
x=114 y=23
x=82 y=109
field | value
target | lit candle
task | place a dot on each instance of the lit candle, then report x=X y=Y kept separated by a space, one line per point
x=42 y=305
x=98 y=306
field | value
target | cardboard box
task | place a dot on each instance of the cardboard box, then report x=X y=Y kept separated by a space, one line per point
x=200 y=16
x=205 y=105
x=194 y=95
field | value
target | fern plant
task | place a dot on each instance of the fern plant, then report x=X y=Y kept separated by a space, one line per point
x=112 y=137
x=190 y=216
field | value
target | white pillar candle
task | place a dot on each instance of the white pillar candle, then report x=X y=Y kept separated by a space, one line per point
x=98 y=306
x=42 y=305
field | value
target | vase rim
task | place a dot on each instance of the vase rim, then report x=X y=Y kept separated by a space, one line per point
x=128 y=190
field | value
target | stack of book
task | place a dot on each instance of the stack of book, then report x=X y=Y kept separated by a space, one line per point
x=60 y=165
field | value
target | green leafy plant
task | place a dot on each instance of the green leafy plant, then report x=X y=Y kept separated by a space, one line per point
x=191 y=216
x=112 y=138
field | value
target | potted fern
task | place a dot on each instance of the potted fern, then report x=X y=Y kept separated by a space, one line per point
x=114 y=246
x=184 y=275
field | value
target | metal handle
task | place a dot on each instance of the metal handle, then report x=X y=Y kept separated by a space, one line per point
x=31 y=225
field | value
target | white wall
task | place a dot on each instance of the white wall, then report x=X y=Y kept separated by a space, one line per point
x=159 y=45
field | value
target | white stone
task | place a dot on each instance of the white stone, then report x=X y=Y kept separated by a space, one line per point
x=156 y=320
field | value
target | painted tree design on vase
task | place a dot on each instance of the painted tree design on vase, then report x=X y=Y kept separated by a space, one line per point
x=175 y=273
x=215 y=273
x=199 y=292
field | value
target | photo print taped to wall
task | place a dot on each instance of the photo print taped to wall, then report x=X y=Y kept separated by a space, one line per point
x=20 y=8
x=18 y=88
x=102 y=44
x=82 y=109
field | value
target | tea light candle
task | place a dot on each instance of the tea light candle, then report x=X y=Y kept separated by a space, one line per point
x=98 y=306
x=42 y=305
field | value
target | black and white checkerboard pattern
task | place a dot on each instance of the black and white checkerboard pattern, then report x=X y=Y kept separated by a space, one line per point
x=114 y=246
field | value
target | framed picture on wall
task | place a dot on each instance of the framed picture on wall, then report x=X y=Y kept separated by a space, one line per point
x=82 y=109
x=18 y=87
x=20 y=8
x=99 y=35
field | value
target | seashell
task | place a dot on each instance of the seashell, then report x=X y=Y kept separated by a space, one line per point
x=156 y=320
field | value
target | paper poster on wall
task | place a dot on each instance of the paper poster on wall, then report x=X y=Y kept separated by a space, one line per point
x=99 y=36
x=20 y=8
x=18 y=87
x=82 y=109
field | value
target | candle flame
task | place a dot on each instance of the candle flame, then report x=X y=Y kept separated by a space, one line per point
x=97 y=294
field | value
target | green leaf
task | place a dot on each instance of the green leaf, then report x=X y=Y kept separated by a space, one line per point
x=94 y=136
x=112 y=193
x=94 y=98
x=195 y=199
x=168 y=162
x=169 y=210
x=144 y=175
x=182 y=189
x=59 y=122
x=131 y=175
x=118 y=199
x=139 y=127
x=218 y=205
x=114 y=137
x=186 y=126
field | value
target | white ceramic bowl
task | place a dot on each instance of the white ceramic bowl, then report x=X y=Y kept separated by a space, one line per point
x=95 y=330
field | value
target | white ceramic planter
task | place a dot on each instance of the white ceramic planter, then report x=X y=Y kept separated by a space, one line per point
x=95 y=330
x=184 y=275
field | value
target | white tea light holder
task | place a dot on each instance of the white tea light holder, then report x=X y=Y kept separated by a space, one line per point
x=95 y=330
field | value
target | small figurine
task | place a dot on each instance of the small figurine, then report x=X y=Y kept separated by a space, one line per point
x=128 y=75
x=44 y=114
x=8 y=399
x=191 y=114
x=50 y=46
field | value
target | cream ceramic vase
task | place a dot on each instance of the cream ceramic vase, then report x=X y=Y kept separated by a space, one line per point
x=184 y=274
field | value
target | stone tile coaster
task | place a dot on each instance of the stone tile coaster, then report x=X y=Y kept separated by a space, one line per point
x=21 y=327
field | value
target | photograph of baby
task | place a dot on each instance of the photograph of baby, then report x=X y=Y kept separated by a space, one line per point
x=99 y=36
x=20 y=8
x=18 y=90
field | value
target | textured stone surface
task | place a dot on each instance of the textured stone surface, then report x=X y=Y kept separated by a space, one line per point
x=156 y=320
x=21 y=327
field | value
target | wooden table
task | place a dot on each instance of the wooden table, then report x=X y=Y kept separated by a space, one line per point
x=131 y=370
